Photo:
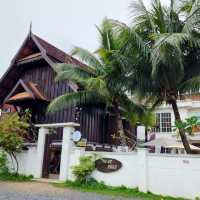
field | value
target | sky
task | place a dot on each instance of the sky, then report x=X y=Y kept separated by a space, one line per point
x=64 y=23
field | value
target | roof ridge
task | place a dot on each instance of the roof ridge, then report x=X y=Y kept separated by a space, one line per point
x=45 y=41
x=56 y=52
x=48 y=51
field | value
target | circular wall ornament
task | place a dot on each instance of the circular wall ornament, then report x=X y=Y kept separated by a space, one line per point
x=76 y=136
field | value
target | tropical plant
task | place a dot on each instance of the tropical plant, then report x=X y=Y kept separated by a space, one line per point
x=163 y=46
x=148 y=120
x=3 y=163
x=101 y=80
x=30 y=134
x=12 y=130
x=84 y=169
x=189 y=125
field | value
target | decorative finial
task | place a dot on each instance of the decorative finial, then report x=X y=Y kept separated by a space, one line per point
x=30 y=29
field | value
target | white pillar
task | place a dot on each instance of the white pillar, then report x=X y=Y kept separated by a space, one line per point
x=78 y=152
x=141 y=133
x=142 y=169
x=40 y=151
x=67 y=145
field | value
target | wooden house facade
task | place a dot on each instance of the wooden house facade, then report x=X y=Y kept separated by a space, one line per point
x=29 y=83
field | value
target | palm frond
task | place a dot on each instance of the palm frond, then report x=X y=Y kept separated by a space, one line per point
x=132 y=110
x=148 y=119
x=174 y=39
x=72 y=99
x=141 y=16
x=159 y=15
x=131 y=117
x=168 y=46
x=107 y=35
x=88 y=58
x=192 y=19
x=85 y=69
x=131 y=105
x=191 y=84
x=129 y=39
x=73 y=73
x=185 y=6
x=98 y=85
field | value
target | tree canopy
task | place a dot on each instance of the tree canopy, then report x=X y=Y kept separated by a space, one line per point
x=155 y=59
x=168 y=65
x=101 y=80
x=12 y=131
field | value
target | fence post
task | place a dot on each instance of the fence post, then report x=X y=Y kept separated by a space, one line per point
x=78 y=152
x=67 y=145
x=142 y=169
x=40 y=151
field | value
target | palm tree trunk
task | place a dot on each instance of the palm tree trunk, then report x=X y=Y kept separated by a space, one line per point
x=120 y=128
x=181 y=131
x=146 y=134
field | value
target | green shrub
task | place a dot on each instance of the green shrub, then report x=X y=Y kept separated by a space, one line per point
x=6 y=175
x=13 y=129
x=3 y=163
x=84 y=169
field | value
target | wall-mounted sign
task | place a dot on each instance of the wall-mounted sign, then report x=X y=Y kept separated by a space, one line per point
x=76 y=136
x=107 y=165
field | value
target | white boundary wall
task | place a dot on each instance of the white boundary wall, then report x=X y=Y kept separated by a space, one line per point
x=27 y=161
x=174 y=175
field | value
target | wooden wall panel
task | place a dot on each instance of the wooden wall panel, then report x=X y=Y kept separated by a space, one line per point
x=91 y=117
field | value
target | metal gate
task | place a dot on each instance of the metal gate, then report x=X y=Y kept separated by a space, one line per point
x=50 y=158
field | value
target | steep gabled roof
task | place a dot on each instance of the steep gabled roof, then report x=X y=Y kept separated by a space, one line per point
x=33 y=45
x=25 y=91
x=57 y=53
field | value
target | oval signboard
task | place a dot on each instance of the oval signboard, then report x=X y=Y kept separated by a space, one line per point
x=107 y=165
x=76 y=136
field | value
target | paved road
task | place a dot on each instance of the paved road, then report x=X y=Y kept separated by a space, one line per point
x=44 y=191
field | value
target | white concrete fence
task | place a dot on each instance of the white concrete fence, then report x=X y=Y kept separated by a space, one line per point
x=175 y=175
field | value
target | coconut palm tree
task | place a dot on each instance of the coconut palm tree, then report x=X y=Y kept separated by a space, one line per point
x=101 y=79
x=169 y=65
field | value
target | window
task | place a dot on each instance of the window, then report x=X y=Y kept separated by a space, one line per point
x=163 y=123
x=194 y=91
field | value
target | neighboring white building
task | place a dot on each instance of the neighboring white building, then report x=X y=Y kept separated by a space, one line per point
x=165 y=116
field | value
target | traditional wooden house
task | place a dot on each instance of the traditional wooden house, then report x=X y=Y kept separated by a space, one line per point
x=29 y=83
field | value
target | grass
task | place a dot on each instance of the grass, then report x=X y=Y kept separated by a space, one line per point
x=15 y=177
x=101 y=188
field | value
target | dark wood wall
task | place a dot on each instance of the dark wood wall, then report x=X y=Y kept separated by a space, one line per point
x=93 y=123
x=91 y=118
x=43 y=75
